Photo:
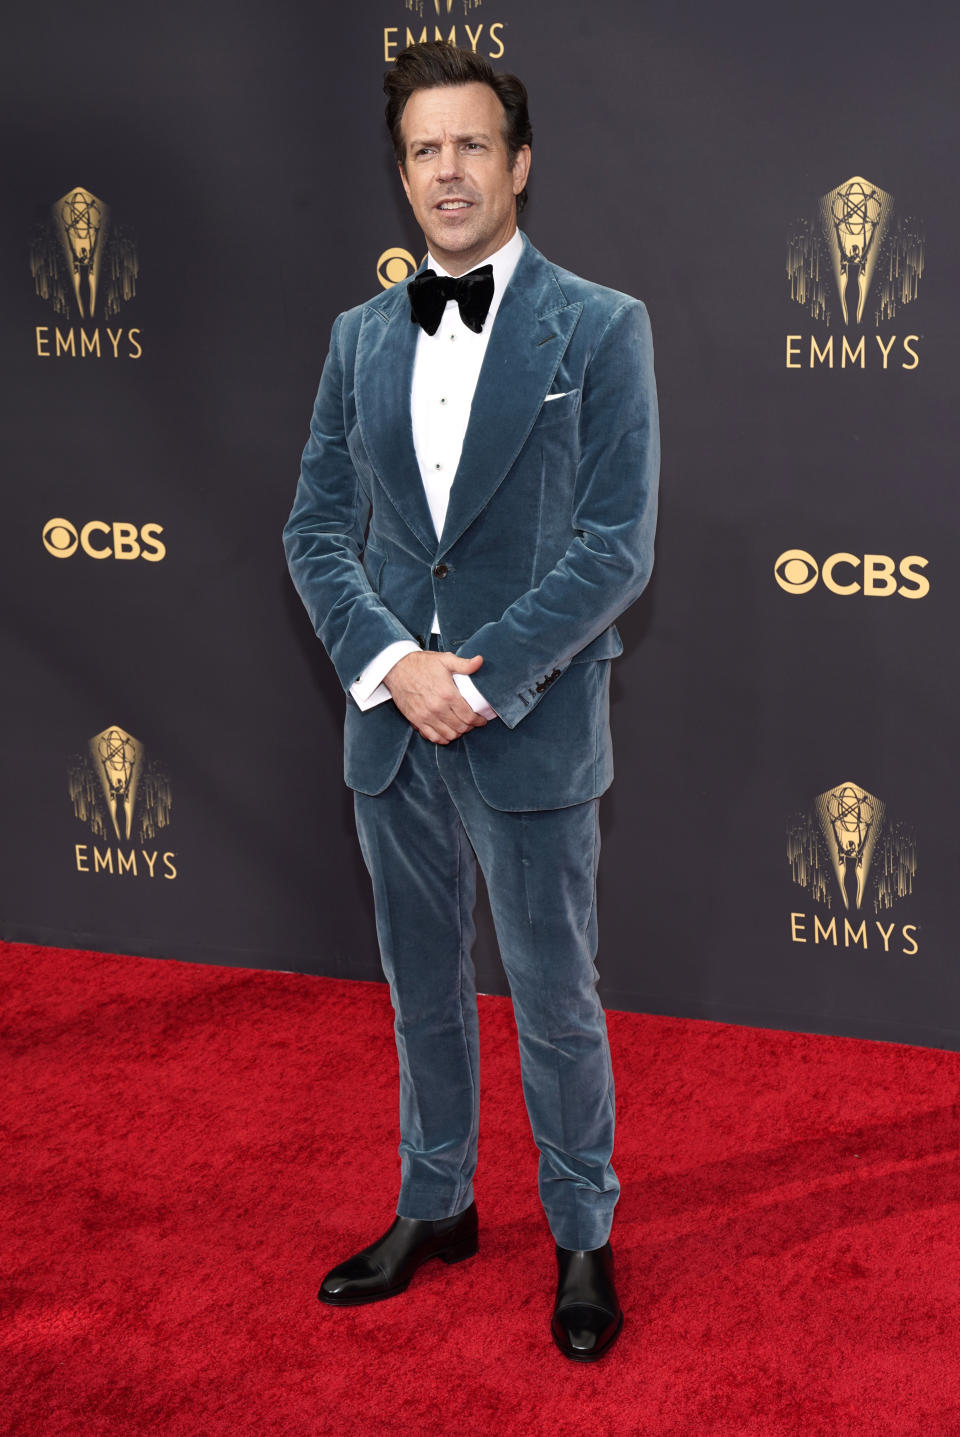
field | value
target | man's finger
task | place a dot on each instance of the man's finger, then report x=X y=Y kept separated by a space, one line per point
x=457 y=711
x=449 y=727
x=456 y=665
x=456 y=720
x=434 y=735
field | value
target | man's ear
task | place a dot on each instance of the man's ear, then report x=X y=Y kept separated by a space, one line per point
x=520 y=168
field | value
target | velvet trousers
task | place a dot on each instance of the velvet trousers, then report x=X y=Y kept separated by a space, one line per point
x=421 y=840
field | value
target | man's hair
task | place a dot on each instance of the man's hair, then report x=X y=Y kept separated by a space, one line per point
x=436 y=63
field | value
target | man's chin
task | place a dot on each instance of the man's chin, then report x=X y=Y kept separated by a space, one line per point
x=453 y=240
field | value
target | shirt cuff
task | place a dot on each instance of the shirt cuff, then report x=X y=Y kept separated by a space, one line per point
x=369 y=689
x=473 y=696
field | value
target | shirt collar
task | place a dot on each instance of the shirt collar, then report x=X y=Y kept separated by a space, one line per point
x=504 y=262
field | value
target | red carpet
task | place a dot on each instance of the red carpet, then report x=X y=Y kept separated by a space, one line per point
x=187 y=1149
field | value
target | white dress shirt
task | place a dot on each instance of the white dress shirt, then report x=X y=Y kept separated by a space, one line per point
x=446 y=368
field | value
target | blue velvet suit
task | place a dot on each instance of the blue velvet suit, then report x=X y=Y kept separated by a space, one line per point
x=548 y=538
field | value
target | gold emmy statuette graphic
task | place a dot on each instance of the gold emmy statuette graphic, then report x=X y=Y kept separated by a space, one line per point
x=846 y=848
x=855 y=238
x=81 y=220
x=82 y=257
x=855 y=217
x=115 y=789
x=117 y=758
x=851 y=820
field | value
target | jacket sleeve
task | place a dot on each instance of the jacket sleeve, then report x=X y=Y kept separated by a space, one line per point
x=610 y=556
x=324 y=537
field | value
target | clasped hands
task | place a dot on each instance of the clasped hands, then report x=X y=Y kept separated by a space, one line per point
x=421 y=685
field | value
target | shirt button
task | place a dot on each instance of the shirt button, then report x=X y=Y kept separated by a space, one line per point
x=443 y=401
x=438 y=466
x=440 y=571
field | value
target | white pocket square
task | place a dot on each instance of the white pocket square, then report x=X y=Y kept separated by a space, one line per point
x=559 y=396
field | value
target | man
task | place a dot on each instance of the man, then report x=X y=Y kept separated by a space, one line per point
x=475 y=508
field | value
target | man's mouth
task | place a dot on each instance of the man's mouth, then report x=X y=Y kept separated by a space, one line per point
x=448 y=205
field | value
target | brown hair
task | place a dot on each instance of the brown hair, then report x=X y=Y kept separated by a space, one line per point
x=435 y=63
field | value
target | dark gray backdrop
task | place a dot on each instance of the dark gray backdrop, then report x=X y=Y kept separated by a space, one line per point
x=676 y=151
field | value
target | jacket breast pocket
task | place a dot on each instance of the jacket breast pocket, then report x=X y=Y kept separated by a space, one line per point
x=558 y=407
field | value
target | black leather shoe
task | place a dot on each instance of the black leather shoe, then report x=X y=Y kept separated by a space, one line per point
x=385 y=1268
x=586 y=1317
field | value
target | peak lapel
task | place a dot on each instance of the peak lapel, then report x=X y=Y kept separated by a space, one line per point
x=384 y=370
x=530 y=335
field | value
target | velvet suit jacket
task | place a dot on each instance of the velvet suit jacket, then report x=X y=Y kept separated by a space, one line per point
x=548 y=534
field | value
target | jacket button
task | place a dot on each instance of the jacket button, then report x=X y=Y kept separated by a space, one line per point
x=440 y=571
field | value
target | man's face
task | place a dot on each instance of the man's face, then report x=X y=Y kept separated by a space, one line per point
x=456 y=175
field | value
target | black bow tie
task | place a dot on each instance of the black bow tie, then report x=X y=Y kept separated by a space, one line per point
x=429 y=293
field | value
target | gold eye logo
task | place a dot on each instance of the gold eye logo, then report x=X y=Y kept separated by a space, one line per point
x=394 y=266
x=60 y=538
x=796 y=571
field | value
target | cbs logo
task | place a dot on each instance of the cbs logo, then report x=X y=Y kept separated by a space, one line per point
x=875 y=575
x=394 y=266
x=104 y=541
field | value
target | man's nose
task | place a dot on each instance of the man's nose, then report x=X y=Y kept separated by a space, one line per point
x=448 y=166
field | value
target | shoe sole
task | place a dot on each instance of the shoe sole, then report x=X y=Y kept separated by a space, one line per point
x=458 y=1253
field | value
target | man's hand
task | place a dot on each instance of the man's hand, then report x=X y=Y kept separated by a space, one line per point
x=423 y=690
